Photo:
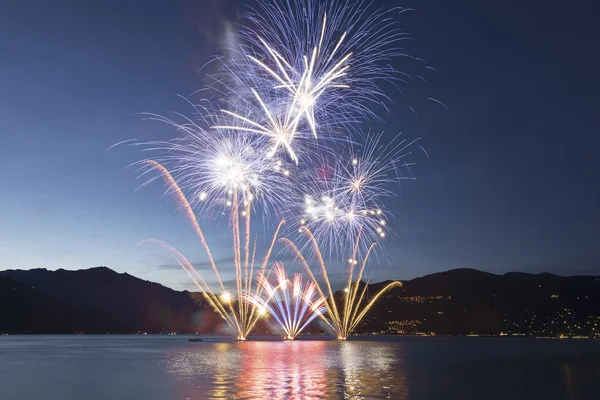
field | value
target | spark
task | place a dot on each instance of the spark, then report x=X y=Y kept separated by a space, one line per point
x=262 y=311
x=226 y=297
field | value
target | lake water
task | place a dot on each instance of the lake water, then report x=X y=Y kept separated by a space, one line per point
x=171 y=368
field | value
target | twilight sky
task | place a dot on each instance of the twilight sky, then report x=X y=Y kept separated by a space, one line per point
x=511 y=184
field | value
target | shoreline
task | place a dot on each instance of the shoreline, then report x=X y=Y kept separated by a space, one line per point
x=302 y=338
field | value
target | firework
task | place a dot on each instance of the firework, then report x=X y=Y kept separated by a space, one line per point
x=230 y=305
x=292 y=304
x=350 y=196
x=214 y=165
x=306 y=71
x=329 y=58
x=355 y=304
x=309 y=68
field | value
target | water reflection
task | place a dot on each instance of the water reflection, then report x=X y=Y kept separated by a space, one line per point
x=568 y=381
x=288 y=370
x=159 y=368
x=370 y=375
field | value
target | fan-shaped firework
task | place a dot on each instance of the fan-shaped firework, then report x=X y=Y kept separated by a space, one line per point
x=292 y=304
x=355 y=302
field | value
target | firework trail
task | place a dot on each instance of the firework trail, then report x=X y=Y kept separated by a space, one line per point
x=344 y=315
x=291 y=304
x=230 y=305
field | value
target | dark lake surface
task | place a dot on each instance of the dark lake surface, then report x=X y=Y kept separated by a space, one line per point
x=171 y=368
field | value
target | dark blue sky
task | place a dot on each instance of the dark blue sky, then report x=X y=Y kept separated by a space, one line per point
x=511 y=183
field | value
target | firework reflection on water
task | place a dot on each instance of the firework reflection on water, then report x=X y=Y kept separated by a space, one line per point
x=289 y=370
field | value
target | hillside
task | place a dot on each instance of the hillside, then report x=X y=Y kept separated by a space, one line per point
x=468 y=301
x=456 y=302
x=97 y=300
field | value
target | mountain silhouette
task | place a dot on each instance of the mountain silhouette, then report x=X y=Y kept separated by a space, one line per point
x=455 y=302
x=100 y=300
x=467 y=301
